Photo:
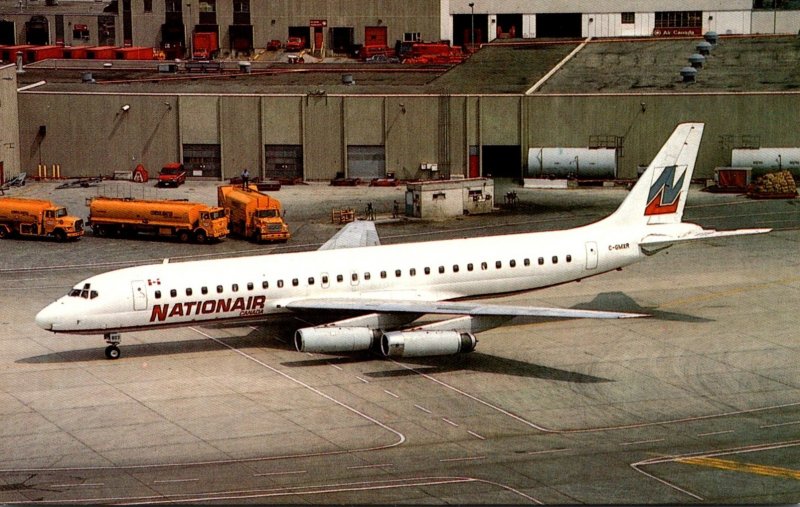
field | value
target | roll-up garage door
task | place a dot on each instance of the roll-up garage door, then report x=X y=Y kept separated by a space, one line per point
x=366 y=162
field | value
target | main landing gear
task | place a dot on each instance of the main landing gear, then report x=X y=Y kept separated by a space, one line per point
x=113 y=339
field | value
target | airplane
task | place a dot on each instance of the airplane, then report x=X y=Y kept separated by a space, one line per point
x=378 y=291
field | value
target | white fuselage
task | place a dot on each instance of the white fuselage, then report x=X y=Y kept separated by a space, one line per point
x=184 y=293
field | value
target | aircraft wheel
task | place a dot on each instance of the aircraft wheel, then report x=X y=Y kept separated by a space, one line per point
x=112 y=352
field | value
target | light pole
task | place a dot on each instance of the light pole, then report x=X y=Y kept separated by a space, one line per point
x=472 y=26
x=191 y=32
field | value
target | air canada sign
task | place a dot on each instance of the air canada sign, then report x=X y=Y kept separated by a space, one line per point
x=687 y=31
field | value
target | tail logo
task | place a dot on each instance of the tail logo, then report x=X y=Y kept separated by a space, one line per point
x=664 y=193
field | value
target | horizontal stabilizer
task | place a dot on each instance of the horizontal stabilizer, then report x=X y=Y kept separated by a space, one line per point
x=353 y=235
x=659 y=241
x=451 y=308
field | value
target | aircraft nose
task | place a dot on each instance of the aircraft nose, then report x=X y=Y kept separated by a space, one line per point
x=46 y=318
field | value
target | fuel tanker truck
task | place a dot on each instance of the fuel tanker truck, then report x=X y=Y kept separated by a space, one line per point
x=187 y=221
x=252 y=214
x=37 y=218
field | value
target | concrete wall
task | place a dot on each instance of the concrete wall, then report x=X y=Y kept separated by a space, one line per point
x=9 y=122
x=775 y=22
x=413 y=129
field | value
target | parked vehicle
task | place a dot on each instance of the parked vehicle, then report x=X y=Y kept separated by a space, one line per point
x=172 y=174
x=252 y=214
x=295 y=43
x=181 y=219
x=37 y=218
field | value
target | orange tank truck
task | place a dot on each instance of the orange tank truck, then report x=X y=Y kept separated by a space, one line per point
x=187 y=221
x=252 y=214
x=37 y=218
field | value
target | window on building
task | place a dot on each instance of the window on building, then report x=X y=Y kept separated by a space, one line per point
x=411 y=37
x=679 y=19
x=80 y=32
x=241 y=12
x=208 y=12
x=148 y=5
x=628 y=18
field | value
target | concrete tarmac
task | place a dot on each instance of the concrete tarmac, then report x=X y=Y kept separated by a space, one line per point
x=698 y=403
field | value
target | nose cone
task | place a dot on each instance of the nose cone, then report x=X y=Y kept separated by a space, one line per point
x=47 y=317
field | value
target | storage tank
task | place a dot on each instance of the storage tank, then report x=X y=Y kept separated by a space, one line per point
x=581 y=163
x=764 y=160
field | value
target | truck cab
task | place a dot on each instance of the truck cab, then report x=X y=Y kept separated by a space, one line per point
x=172 y=174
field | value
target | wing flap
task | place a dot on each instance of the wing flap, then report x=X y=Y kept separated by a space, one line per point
x=451 y=308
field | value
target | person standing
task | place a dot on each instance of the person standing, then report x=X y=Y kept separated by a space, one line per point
x=245 y=178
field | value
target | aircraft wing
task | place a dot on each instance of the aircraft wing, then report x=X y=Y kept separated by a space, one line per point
x=354 y=234
x=451 y=308
x=656 y=242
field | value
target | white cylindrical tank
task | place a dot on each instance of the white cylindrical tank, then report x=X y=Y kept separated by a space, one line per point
x=763 y=160
x=581 y=163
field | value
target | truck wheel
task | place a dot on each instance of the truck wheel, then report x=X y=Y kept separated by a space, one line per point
x=60 y=235
x=184 y=236
x=200 y=236
x=98 y=230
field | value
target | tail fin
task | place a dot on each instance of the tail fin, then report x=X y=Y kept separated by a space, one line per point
x=660 y=194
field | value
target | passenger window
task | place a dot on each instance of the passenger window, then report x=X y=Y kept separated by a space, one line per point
x=412 y=272
x=173 y=293
x=204 y=290
x=280 y=284
x=188 y=291
x=339 y=278
x=569 y=258
x=541 y=261
x=295 y=282
x=484 y=266
x=555 y=259
x=219 y=289
x=324 y=279
x=441 y=269
x=311 y=280
x=427 y=270
x=354 y=277
x=512 y=263
x=469 y=267
x=383 y=274
x=158 y=294
x=455 y=268
x=527 y=262
x=249 y=285
x=265 y=284
x=235 y=287
x=397 y=273
x=498 y=264
x=367 y=276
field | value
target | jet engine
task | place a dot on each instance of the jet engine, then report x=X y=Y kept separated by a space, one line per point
x=334 y=339
x=426 y=343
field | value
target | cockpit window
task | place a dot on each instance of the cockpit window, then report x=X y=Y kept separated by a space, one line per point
x=61 y=212
x=86 y=292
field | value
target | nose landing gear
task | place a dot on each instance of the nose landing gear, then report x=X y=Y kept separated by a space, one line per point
x=113 y=339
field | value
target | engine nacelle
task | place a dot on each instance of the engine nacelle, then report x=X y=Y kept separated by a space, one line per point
x=333 y=339
x=426 y=343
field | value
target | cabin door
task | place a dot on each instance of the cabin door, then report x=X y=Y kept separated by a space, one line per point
x=591 y=255
x=139 y=295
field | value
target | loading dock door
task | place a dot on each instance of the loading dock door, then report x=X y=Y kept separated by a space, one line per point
x=558 y=25
x=502 y=161
x=375 y=36
x=283 y=161
x=366 y=162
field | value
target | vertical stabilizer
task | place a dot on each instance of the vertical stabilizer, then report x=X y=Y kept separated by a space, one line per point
x=660 y=194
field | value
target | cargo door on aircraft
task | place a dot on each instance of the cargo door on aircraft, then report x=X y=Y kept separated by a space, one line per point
x=591 y=255
x=139 y=295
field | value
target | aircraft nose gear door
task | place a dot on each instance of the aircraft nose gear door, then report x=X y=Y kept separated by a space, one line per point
x=591 y=255
x=139 y=295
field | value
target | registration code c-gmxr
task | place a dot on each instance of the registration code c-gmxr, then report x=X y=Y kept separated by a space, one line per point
x=619 y=246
